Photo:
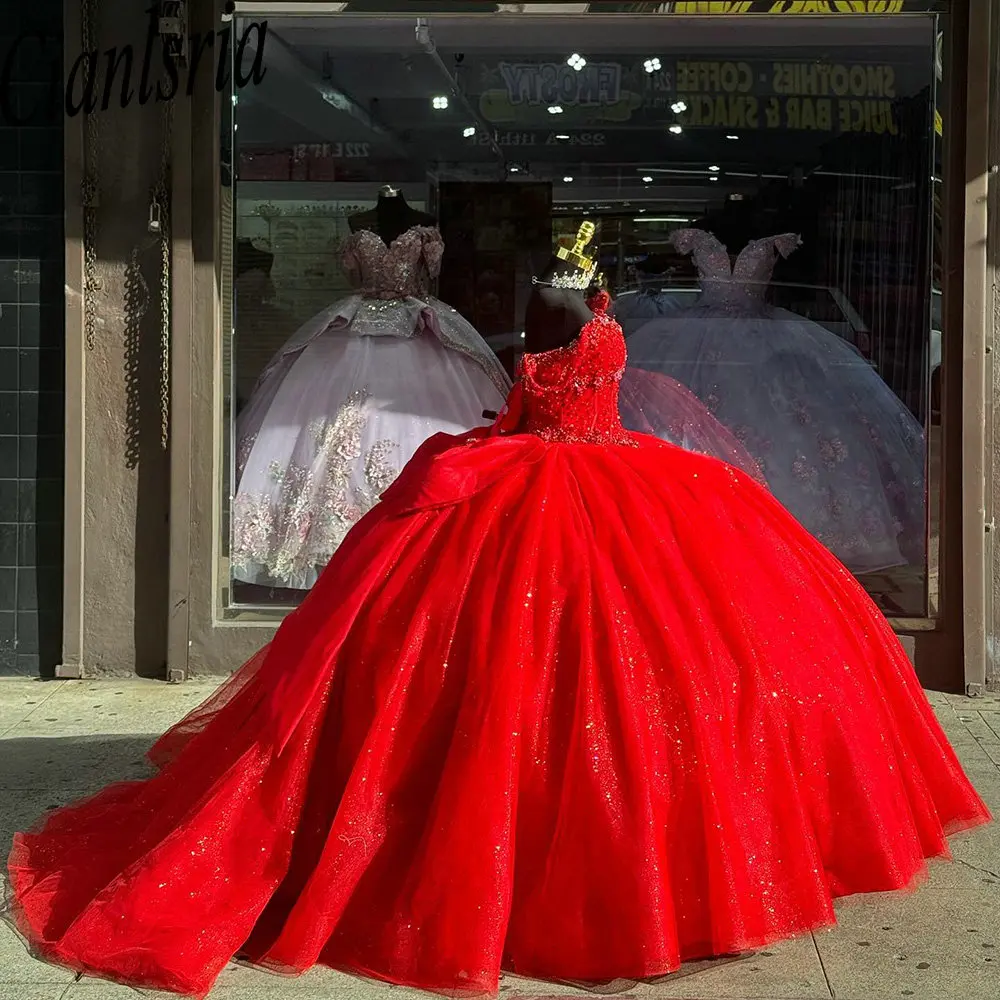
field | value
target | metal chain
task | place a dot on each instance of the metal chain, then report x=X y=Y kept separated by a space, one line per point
x=162 y=198
x=90 y=192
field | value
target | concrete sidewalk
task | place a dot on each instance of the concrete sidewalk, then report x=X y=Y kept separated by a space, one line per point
x=62 y=739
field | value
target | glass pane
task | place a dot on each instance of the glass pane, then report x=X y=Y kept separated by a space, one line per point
x=810 y=354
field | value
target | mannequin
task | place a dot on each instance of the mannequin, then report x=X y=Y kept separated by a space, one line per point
x=391 y=217
x=555 y=315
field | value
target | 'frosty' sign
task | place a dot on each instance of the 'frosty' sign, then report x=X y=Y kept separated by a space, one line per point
x=557 y=83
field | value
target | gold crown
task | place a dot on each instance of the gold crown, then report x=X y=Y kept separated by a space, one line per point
x=576 y=256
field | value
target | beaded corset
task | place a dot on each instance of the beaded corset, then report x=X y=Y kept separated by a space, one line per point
x=570 y=394
x=743 y=283
x=404 y=267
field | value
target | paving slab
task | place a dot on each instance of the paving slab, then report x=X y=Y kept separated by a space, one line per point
x=18 y=967
x=937 y=943
x=80 y=763
x=34 y=991
x=790 y=970
x=20 y=698
x=65 y=739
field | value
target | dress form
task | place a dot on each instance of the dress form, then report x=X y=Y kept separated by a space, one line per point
x=556 y=314
x=391 y=216
x=554 y=317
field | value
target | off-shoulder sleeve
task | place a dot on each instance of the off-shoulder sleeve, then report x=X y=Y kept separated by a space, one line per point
x=690 y=241
x=684 y=240
x=787 y=243
x=433 y=250
x=349 y=263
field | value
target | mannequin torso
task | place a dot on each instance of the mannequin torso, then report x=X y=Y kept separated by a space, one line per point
x=554 y=317
x=391 y=217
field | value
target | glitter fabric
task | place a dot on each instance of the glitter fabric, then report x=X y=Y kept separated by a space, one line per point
x=577 y=704
x=571 y=393
x=393 y=300
x=290 y=530
x=835 y=444
x=656 y=404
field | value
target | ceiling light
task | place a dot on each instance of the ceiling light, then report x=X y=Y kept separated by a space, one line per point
x=555 y=109
x=652 y=65
x=562 y=135
x=662 y=218
x=439 y=103
x=647 y=179
x=576 y=61
x=713 y=178
x=676 y=129
x=514 y=168
x=469 y=131
x=567 y=179
x=678 y=106
x=732 y=136
x=713 y=169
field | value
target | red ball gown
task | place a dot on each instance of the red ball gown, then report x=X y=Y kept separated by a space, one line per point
x=569 y=702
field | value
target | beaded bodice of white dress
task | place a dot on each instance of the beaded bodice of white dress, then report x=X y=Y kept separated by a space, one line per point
x=741 y=284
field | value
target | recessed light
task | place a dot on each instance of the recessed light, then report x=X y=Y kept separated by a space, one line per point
x=555 y=109
x=713 y=169
x=732 y=136
x=469 y=131
x=567 y=179
x=678 y=106
x=576 y=61
x=647 y=179
x=713 y=178
x=652 y=65
x=439 y=103
x=676 y=129
x=514 y=168
x=562 y=135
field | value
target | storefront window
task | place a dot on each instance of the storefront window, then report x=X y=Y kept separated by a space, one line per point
x=762 y=191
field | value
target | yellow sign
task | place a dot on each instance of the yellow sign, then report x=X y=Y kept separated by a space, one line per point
x=802 y=96
x=790 y=7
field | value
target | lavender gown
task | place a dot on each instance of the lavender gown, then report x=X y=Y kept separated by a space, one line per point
x=346 y=402
x=834 y=442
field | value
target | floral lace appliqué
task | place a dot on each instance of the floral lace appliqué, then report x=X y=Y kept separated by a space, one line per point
x=292 y=531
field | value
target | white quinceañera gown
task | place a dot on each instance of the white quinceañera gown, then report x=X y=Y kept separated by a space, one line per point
x=346 y=402
x=836 y=445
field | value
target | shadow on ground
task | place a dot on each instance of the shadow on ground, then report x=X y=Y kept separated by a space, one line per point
x=40 y=773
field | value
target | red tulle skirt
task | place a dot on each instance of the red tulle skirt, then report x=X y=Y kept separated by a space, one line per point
x=576 y=712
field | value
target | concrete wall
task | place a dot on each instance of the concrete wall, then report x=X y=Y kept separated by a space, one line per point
x=125 y=469
x=992 y=333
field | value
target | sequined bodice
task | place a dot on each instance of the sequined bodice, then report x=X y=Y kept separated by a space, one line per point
x=570 y=394
x=741 y=284
x=403 y=268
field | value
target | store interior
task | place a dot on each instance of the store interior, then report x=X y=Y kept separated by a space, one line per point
x=816 y=356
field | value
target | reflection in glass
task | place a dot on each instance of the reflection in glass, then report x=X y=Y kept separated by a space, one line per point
x=479 y=151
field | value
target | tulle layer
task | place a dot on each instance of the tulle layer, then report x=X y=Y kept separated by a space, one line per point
x=327 y=430
x=577 y=712
x=837 y=447
x=361 y=316
x=651 y=403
